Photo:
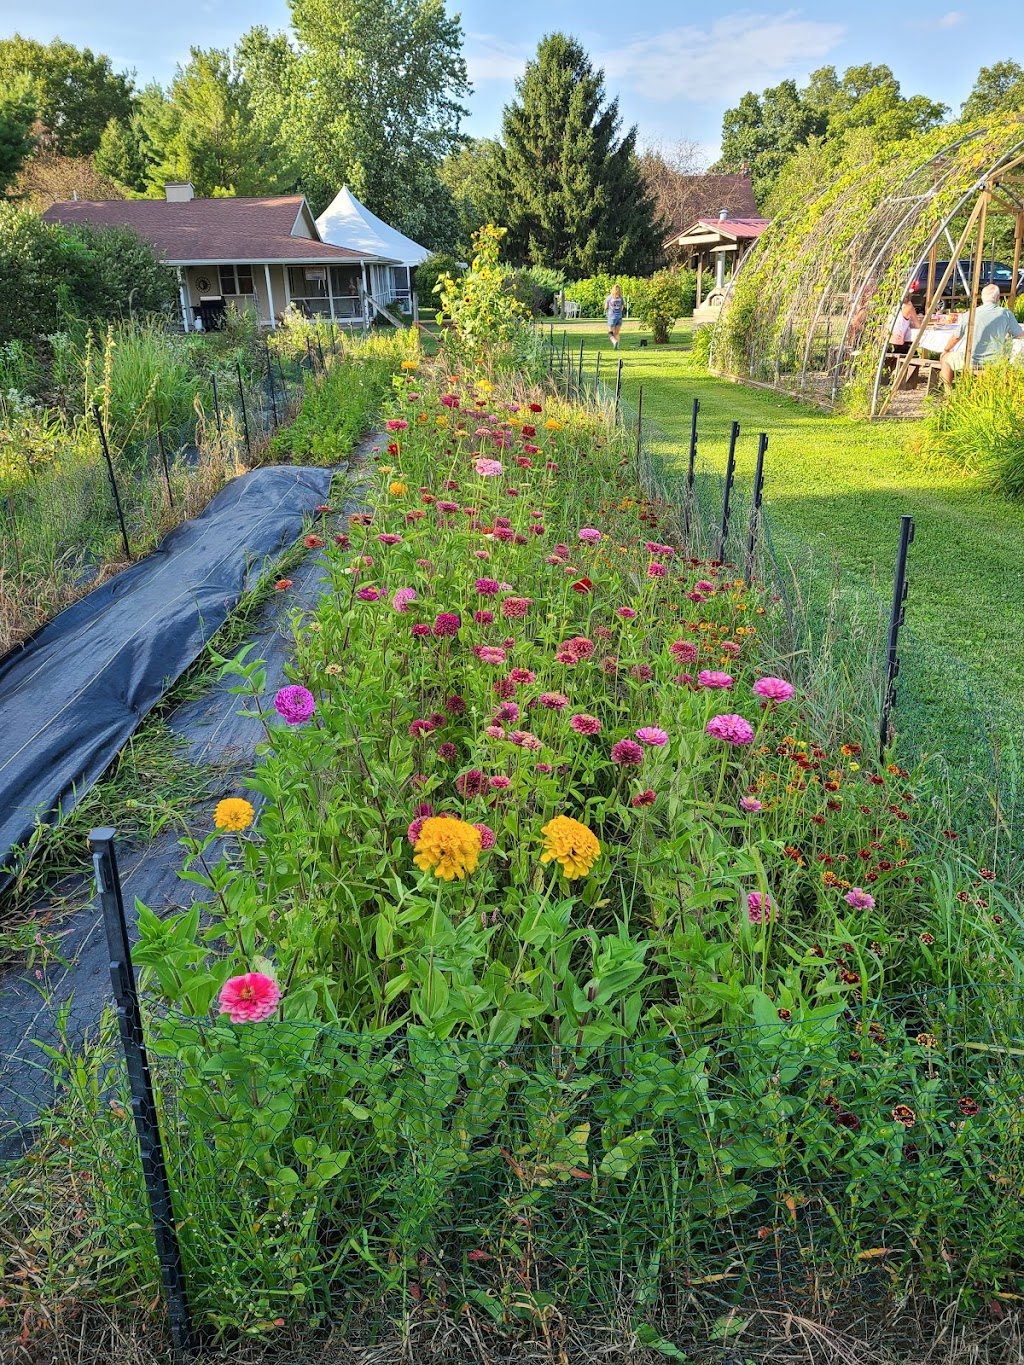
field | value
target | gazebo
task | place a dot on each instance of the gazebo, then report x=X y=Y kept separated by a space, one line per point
x=814 y=306
x=721 y=242
x=348 y=223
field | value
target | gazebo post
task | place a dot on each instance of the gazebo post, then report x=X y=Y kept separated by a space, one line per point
x=700 y=275
x=1018 y=236
x=972 y=302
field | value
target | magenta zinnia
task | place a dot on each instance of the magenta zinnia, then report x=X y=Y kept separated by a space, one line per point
x=295 y=704
x=730 y=728
x=708 y=678
x=651 y=734
x=627 y=751
x=249 y=999
x=774 y=689
x=585 y=725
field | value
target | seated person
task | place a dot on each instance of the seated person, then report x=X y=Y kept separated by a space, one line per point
x=994 y=327
x=906 y=321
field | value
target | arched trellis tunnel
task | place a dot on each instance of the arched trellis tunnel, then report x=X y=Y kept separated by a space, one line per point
x=814 y=304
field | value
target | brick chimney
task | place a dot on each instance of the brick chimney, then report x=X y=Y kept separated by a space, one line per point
x=179 y=191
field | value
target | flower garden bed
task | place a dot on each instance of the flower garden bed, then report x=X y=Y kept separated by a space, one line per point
x=562 y=970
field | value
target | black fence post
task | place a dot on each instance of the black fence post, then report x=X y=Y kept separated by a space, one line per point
x=270 y=383
x=565 y=344
x=245 y=415
x=730 y=474
x=597 y=372
x=580 y=372
x=691 y=469
x=113 y=480
x=284 y=385
x=754 y=524
x=309 y=356
x=639 y=419
x=618 y=385
x=147 y=1127
x=896 y=618
x=319 y=347
x=216 y=407
x=163 y=460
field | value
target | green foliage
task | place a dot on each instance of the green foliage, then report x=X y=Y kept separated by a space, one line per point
x=484 y=312
x=17 y=114
x=700 y=346
x=376 y=100
x=979 y=427
x=120 y=155
x=468 y=174
x=76 y=93
x=51 y=274
x=998 y=89
x=666 y=296
x=566 y=184
x=591 y=293
x=427 y=275
x=535 y=287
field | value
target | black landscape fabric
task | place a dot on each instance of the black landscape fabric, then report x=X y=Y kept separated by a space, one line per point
x=72 y=695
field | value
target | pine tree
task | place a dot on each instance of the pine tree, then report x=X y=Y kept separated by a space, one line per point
x=568 y=188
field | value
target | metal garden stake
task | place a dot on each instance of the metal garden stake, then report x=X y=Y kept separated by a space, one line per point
x=897 y=615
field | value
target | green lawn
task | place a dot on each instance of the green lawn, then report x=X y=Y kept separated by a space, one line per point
x=839 y=486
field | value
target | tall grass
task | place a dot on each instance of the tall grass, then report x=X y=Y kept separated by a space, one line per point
x=979 y=427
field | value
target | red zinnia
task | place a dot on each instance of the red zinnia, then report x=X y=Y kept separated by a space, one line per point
x=582 y=585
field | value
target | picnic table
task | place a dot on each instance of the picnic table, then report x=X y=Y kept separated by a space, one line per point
x=934 y=338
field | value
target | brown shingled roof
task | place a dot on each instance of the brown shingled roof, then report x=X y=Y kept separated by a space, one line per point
x=210 y=231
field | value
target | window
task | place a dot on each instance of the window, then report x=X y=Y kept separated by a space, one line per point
x=236 y=279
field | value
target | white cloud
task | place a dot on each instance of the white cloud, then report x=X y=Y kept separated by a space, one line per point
x=951 y=19
x=490 y=59
x=739 y=52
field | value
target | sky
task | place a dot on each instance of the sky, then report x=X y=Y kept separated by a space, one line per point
x=676 y=67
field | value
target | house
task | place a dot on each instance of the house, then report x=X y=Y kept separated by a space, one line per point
x=348 y=223
x=723 y=240
x=690 y=197
x=262 y=255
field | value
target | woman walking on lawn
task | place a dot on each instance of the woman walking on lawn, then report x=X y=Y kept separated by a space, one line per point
x=613 y=308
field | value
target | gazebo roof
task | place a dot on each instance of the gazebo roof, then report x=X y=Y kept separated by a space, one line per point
x=722 y=232
x=348 y=223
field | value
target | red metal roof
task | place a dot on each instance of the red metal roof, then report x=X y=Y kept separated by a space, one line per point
x=211 y=231
x=735 y=227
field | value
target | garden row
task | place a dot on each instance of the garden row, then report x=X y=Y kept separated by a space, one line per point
x=176 y=415
x=560 y=945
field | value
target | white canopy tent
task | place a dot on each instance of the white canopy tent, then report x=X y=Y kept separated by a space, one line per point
x=346 y=222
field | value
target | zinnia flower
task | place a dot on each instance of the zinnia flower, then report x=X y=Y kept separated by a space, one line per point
x=553 y=701
x=522 y=675
x=656 y=570
x=400 y=600
x=490 y=654
x=644 y=798
x=295 y=704
x=249 y=999
x=774 y=689
x=499 y=783
x=396 y=424
x=486 y=587
x=447 y=752
x=651 y=734
x=486 y=836
x=368 y=594
x=627 y=613
x=760 y=909
x=627 y=751
x=472 y=783
x=448 y=847
x=396 y=488
x=570 y=843
x=447 y=623
x=859 y=899
x=730 y=728
x=750 y=804
x=283 y=584
x=684 y=650
x=489 y=469
x=589 y=535
x=233 y=814
x=515 y=607
x=708 y=678
x=312 y=542
x=585 y=725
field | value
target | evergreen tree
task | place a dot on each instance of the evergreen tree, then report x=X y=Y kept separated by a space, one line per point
x=568 y=188
x=120 y=155
x=77 y=93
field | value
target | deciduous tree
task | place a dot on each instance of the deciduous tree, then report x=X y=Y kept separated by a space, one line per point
x=77 y=92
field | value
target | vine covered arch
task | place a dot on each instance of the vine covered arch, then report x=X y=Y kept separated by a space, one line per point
x=815 y=301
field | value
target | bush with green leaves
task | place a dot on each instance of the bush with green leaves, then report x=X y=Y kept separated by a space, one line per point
x=665 y=297
x=536 y=286
x=50 y=275
x=980 y=427
x=427 y=275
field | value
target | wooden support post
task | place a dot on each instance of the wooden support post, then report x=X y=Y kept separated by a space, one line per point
x=1018 y=240
x=979 y=251
x=930 y=287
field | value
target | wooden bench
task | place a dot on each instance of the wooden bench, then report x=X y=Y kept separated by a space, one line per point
x=919 y=367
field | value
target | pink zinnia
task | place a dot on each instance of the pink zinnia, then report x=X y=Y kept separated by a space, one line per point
x=295 y=704
x=730 y=728
x=389 y=538
x=396 y=424
x=627 y=751
x=249 y=999
x=652 y=735
x=515 y=607
x=490 y=654
x=494 y=732
x=759 y=908
x=656 y=570
x=455 y=705
x=584 y=724
x=859 y=900
x=627 y=613
x=500 y=784
x=447 y=623
x=589 y=535
x=708 y=678
x=484 y=618
x=750 y=804
x=486 y=587
x=489 y=469
x=420 y=727
x=447 y=751
x=420 y=631
x=449 y=400
x=644 y=798
x=553 y=701
x=522 y=675
x=525 y=740
x=507 y=712
x=369 y=594
x=486 y=836
x=401 y=599
x=774 y=689
x=684 y=650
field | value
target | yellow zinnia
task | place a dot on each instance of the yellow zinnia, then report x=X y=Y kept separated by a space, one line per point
x=570 y=843
x=448 y=847
x=409 y=364
x=396 y=488
x=233 y=813
x=552 y=425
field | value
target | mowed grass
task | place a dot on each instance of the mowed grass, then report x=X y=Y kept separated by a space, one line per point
x=838 y=487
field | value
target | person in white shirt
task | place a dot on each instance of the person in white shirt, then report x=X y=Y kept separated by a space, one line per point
x=994 y=328
x=906 y=321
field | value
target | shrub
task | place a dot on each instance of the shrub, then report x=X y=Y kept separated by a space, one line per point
x=427 y=275
x=980 y=427
x=591 y=293
x=536 y=286
x=700 y=345
x=662 y=301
